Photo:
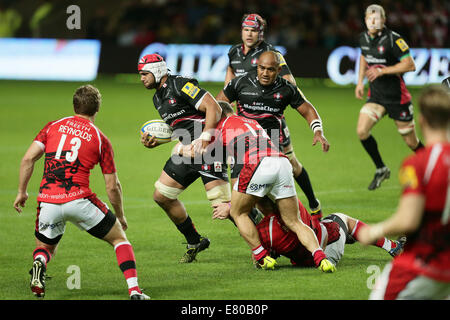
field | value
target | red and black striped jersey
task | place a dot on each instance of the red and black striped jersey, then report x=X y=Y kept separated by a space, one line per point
x=72 y=146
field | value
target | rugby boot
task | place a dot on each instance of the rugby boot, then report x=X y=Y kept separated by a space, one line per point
x=194 y=249
x=38 y=274
x=135 y=295
x=400 y=243
x=381 y=174
x=317 y=212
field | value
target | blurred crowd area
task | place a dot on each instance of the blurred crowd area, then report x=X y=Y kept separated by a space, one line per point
x=291 y=23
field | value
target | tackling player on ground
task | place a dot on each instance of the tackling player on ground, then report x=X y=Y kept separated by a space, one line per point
x=385 y=57
x=333 y=233
x=243 y=58
x=191 y=112
x=422 y=271
x=72 y=147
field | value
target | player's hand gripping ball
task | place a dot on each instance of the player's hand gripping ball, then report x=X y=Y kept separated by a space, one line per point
x=158 y=129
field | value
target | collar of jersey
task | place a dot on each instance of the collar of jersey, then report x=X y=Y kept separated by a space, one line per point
x=251 y=49
x=270 y=86
x=379 y=34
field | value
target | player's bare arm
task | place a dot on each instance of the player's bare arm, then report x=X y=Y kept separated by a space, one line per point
x=228 y=77
x=115 y=196
x=289 y=77
x=407 y=64
x=405 y=221
x=33 y=154
x=213 y=112
x=359 y=90
x=310 y=114
x=222 y=97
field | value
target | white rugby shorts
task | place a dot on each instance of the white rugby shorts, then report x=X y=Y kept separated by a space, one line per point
x=273 y=176
x=88 y=215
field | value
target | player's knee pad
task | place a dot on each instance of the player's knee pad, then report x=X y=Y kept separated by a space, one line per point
x=166 y=191
x=373 y=114
x=219 y=194
x=408 y=129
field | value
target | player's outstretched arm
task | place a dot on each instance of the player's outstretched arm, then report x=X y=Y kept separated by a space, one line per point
x=311 y=115
x=33 y=154
x=406 y=220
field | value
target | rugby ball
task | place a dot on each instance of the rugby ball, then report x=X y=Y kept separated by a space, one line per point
x=158 y=129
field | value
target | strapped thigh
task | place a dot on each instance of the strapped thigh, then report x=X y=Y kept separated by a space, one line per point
x=373 y=111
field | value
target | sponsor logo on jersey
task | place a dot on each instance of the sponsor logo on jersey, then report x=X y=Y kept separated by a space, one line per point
x=402 y=44
x=278 y=96
x=217 y=166
x=248 y=93
x=408 y=177
x=403 y=115
x=191 y=90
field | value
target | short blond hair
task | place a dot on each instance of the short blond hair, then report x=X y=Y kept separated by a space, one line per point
x=374 y=8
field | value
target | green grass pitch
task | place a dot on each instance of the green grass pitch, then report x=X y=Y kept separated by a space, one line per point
x=224 y=271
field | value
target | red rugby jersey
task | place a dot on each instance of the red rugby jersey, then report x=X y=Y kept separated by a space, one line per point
x=427 y=250
x=72 y=146
x=274 y=235
x=245 y=140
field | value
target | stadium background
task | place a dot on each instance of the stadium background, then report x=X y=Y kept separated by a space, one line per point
x=310 y=30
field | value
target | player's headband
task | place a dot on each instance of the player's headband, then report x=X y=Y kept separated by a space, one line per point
x=254 y=21
x=155 y=64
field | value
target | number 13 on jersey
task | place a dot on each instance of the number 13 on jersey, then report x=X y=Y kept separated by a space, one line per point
x=73 y=154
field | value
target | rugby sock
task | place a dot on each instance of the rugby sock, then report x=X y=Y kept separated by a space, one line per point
x=42 y=254
x=259 y=253
x=370 y=145
x=188 y=230
x=305 y=184
x=384 y=243
x=419 y=146
x=127 y=263
x=318 y=256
